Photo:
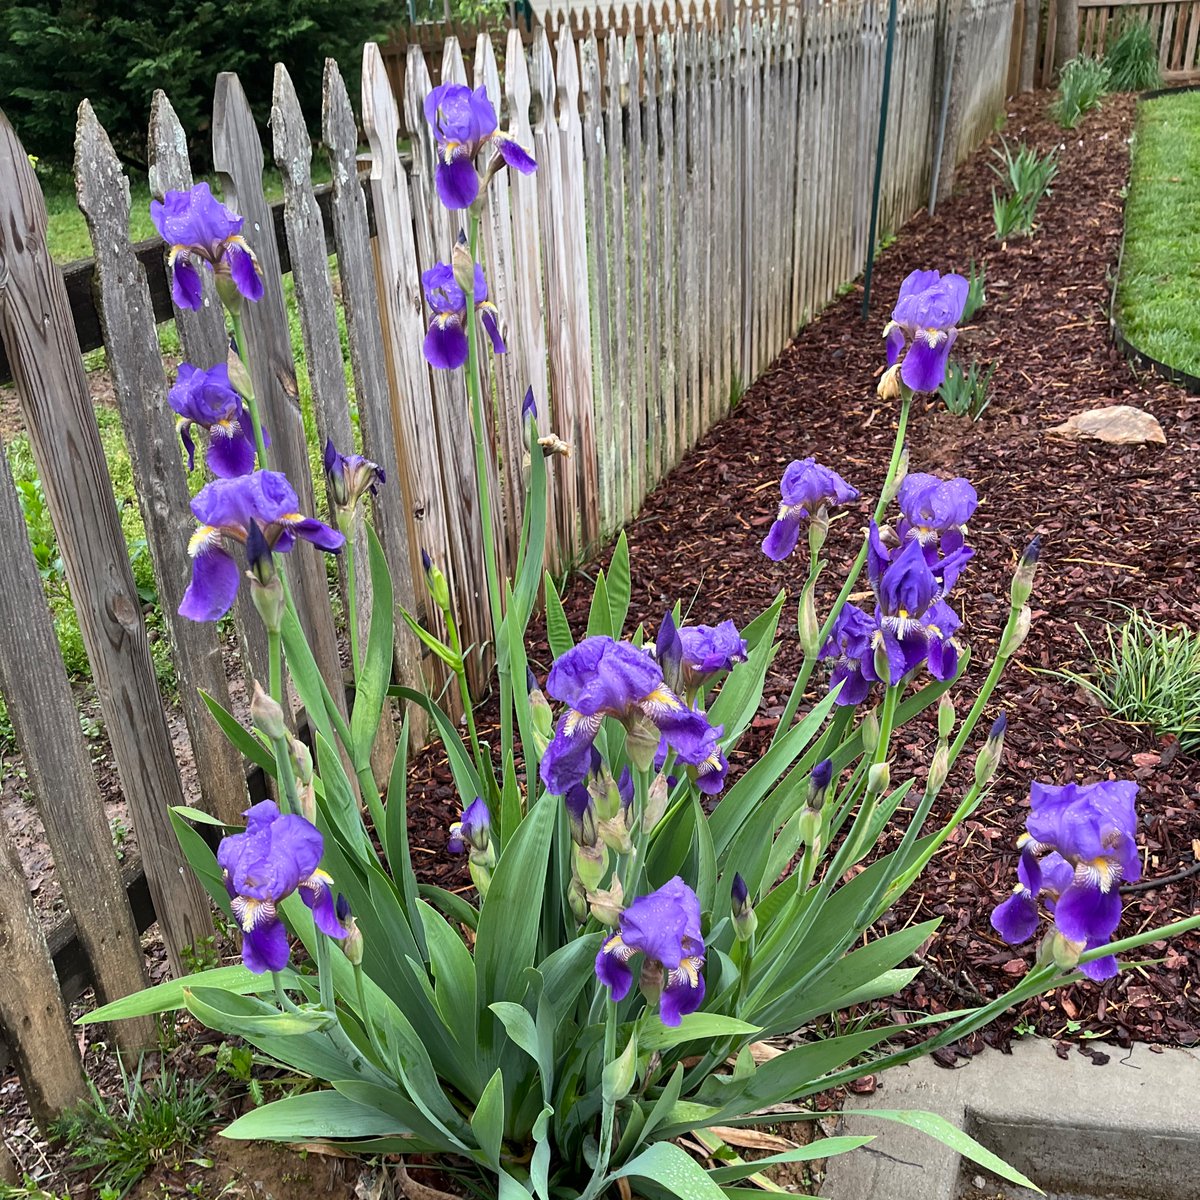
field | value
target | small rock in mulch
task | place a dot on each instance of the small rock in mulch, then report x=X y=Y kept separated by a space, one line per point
x=1119 y=424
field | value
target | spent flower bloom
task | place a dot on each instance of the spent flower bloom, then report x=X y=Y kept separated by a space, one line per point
x=226 y=510
x=463 y=122
x=923 y=327
x=446 y=346
x=1078 y=847
x=209 y=400
x=664 y=927
x=200 y=229
x=278 y=854
x=350 y=477
x=806 y=489
x=601 y=678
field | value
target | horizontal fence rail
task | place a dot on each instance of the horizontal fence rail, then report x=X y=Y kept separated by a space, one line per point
x=703 y=190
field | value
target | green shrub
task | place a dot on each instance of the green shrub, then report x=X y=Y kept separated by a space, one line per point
x=53 y=53
x=1080 y=86
x=1027 y=177
x=1148 y=674
x=1132 y=59
x=965 y=393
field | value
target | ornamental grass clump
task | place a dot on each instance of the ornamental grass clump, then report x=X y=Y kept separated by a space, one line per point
x=640 y=914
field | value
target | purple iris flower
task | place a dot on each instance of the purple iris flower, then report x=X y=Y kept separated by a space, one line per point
x=704 y=757
x=935 y=512
x=208 y=399
x=691 y=656
x=603 y=678
x=463 y=122
x=664 y=927
x=446 y=342
x=850 y=648
x=473 y=829
x=924 y=319
x=806 y=488
x=199 y=228
x=350 y=476
x=529 y=409
x=1078 y=847
x=277 y=855
x=225 y=509
x=914 y=624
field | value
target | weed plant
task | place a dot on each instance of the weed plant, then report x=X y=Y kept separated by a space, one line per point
x=1081 y=86
x=967 y=393
x=122 y=1139
x=1026 y=177
x=1148 y=674
x=1132 y=59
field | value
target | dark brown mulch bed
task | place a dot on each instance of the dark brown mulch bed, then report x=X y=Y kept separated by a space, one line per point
x=1116 y=525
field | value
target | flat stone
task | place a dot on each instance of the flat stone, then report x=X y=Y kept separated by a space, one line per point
x=1128 y=1130
x=1121 y=424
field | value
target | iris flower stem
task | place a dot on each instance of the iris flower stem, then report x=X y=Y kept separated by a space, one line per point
x=609 y=1108
x=806 y=668
x=364 y=1012
x=351 y=596
x=989 y=684
x=637 y=834
x=460 y=673
x=239 y=336
x=285 y=775
x=475 y=388
x=281 y=997
x=275 y=665
x=325 y=974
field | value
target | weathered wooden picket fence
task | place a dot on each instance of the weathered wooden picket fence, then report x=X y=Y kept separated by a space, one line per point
x=701 y=193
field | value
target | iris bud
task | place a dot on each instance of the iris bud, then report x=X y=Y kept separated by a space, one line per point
x=818 y=529
x=818 y=783
x=543 y=718
x=806 y=622
x=266 y=588
x=227 y=290
x=1020 y=632
x=1061 y=951
x=619 y=1074
x=809 y=827
x=480 y=876
x=889 y=493
x=989 y=757
x=267 y=715
x=939 y=768
x=307 y=799
x=335 y=477
x=869 y=730
x=656 y=803
x=650 y=982
x=435 y=581
x=1022 y=580
x=590 y=864
x=352 y=943
x=602 y=787
x=463 y=265
x=577 y=899
x=745 y=920
x=945 y=717
x=239 y=377
x=878 y=778
x=641 y=741
x=615 y=835
x=302 y=761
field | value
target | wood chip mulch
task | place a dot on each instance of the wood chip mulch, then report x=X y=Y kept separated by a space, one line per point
x=1117 y=527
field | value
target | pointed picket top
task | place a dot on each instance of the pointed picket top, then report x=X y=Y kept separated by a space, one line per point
x=591 y=87
x=631 y=74
x=380 y=115
x=418 y=85
x=290 y=134
x=453 y=68
x=338 y=127
x=666 y=58
x=567 y=86
x=542 y=79
x=650 y=67
x=516 y=88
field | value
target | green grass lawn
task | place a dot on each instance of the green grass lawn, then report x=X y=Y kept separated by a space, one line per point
x=1158 y=294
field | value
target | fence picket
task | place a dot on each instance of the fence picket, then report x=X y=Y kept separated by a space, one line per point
x=376 y=418
x=650 y=200
x=140 y=385
x=238 y=158
x=47 y=366
x=313 y=284
x=202 y=335
x=59 y=771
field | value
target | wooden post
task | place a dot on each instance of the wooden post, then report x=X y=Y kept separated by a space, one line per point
x=39 y=338
x=1066 y=32
x=140 y=384
x=46 y=723
x=33 y=1018
x=1029 y=40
